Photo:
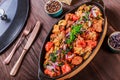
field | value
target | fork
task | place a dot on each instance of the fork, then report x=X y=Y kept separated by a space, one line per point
x=24 y=34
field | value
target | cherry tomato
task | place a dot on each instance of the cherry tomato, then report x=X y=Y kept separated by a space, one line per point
x=65 y=68
x=48 y=46
x=75 y=18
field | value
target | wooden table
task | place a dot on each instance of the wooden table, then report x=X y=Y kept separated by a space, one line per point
x=105 y=65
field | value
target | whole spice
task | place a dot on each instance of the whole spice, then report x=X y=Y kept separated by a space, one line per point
x=53 y=6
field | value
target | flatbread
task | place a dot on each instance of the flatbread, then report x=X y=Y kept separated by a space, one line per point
x=66 y=1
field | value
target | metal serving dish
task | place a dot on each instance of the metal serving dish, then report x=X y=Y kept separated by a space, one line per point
x=77 y=69
x=17 y=13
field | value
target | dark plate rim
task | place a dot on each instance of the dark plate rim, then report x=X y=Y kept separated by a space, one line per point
x=8 y=41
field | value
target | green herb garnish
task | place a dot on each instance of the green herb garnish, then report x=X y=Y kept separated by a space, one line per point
x=53 y=57
x=86 y=17
x=60 y=64
x=75 y=30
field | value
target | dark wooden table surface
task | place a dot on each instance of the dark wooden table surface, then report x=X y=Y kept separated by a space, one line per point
x=105 y=65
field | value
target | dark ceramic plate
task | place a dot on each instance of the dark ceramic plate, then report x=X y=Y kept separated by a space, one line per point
x=74 y=71
x=17 y=12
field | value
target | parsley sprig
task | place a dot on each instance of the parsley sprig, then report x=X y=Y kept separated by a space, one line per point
x=75 y=30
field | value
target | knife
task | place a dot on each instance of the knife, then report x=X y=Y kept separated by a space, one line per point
x=27 y=46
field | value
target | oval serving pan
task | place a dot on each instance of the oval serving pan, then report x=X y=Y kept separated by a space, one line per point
x=77 y=69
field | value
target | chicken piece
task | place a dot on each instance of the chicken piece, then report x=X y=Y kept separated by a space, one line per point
x=87 y=54
x=58 y=38
x=56 y=29
x=53 y=36
x=85 y=26
x=98 y=26
x=69 y=23
x=88 y=48
x=81 y=7
x=77 y=60
x=91 y=43
x=90 y=35
x=62 y=28
x=87 y=8
x=48 y=53
x=80 y=38
x=65 y=68
x=56 y=41
x=77 y=50
x=49 y=72
x=68 y=17
x=62 y=23
x=78 y=13
x=81 y=43
x=61 y=35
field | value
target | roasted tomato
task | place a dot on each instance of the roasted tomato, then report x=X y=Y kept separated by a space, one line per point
x=48 y=46
x=75 y=18
x=65 y=68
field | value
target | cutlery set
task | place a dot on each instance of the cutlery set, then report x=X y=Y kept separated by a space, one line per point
x=25 y=33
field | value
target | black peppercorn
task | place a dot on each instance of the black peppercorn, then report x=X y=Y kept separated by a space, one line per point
x=53 y=6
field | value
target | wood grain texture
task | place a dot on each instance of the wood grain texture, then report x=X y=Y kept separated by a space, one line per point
x=105 y=65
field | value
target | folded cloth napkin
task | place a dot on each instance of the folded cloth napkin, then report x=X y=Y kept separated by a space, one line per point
x=66 y=1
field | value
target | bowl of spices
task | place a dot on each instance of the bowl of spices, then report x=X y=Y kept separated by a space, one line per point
x=53 y=8
x=114 y=41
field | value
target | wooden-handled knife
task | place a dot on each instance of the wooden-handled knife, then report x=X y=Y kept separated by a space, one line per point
x=27 y=46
